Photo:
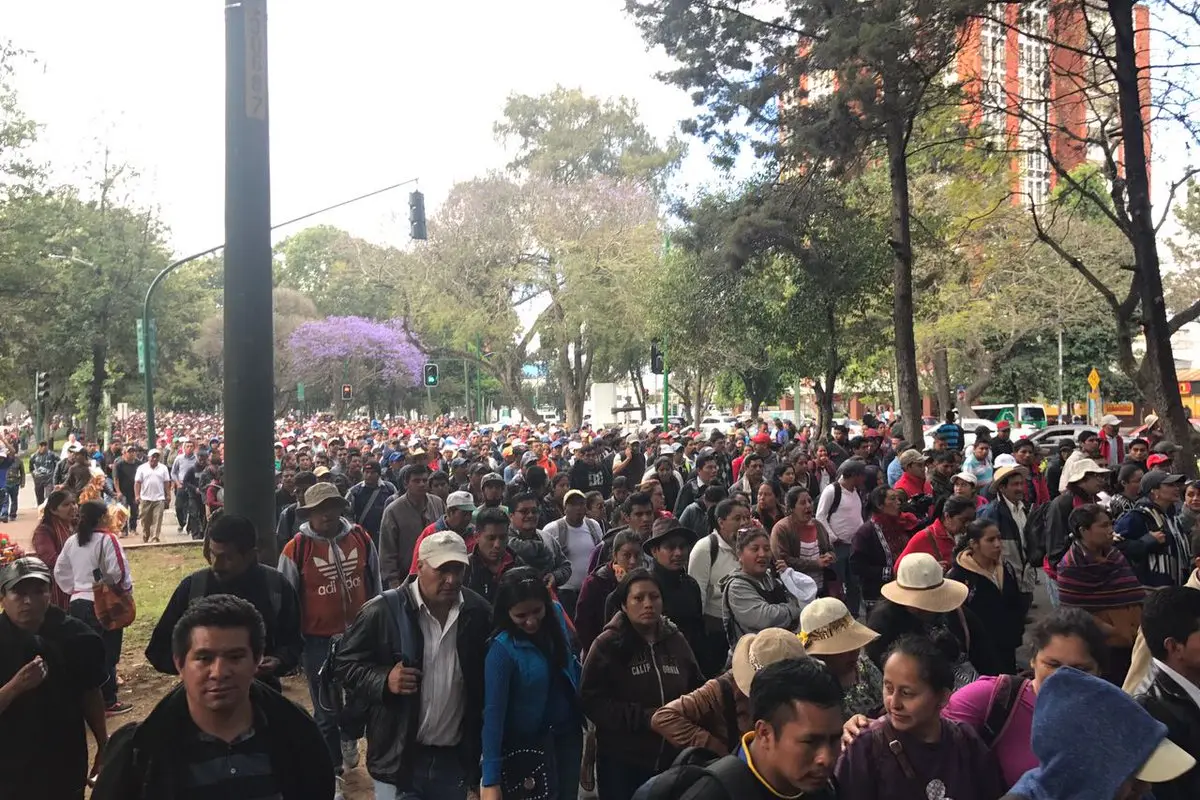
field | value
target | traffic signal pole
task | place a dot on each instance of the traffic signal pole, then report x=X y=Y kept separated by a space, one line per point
x=249 y=392
x=666 y=388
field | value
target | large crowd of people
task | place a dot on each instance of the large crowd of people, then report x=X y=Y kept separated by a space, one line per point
x=521 y=611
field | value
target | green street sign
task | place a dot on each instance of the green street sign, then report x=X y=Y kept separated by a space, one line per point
x=300 y=392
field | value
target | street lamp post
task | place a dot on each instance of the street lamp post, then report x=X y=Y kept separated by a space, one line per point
x=249 y=392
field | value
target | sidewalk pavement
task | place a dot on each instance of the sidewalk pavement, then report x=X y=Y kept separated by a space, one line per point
x=21 y=528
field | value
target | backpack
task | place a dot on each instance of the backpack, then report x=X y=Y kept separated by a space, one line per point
x=1035 y=534
x=774 y=596
x=199 y=590
x=682 y=780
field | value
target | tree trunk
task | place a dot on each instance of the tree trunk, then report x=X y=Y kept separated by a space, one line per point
x=902 y=302
x=824 y=413
x=941 y=379
x=1159 y=356
x=99 y=376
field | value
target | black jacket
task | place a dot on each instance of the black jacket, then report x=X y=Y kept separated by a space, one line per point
x=1170 y=704
x=999 y=609
x=261 y=586
x=1057 y=532
x=682 y=603
x=690 y=493
x=891 y=621
x=144 y=761
x=369 y=650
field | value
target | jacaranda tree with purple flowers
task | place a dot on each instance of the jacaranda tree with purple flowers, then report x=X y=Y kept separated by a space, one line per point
x=378 y=359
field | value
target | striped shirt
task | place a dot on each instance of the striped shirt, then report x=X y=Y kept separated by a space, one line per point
x=237 y=770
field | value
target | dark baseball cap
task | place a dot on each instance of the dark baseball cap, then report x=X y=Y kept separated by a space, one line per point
x=26 y=568
x=1166 y=447
x=1156 y=478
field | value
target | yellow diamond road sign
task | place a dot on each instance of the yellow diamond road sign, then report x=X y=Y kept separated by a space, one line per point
x=1094 y=379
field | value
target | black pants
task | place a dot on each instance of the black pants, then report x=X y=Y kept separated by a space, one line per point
x=85 y=612
x=39 y=491
x=181 y=506
x=716 y=648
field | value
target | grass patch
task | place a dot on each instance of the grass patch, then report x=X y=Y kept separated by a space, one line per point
x=156 y=572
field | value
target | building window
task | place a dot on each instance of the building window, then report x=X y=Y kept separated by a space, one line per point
x=1033 y=79
x=992 y=71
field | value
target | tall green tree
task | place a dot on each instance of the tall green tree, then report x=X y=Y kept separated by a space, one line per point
x=835 y=83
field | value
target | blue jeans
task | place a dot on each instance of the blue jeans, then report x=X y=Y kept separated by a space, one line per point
x=13 y=492
x=847 y=577
x=437 y=774
x=617 y=779
x=315 y=650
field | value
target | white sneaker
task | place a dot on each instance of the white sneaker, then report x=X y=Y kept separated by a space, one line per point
x=350 y=754
x=339 y=788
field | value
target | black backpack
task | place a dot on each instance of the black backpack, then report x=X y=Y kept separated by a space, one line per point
x=682 y=781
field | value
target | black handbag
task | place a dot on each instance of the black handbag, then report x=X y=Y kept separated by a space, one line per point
x=525 y=775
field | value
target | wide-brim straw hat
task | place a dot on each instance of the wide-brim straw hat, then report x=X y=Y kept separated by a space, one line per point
x=754 y=651
x=827 y=628
x=920 y=584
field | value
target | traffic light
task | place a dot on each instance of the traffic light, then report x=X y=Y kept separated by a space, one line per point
x=657 y=358
x=43 y=386
x=416 y=215
x=347 y=391
x=431 y=375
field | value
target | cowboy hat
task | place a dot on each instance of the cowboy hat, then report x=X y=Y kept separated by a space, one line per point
x=920 y=584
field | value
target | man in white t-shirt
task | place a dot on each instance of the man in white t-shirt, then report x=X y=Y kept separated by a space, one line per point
x=840 y=508
x=150 y=492
x=578 y=536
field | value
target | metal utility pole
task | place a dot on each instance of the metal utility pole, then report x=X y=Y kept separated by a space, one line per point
x=249 y=396
x=466 y=390
x=666 y=387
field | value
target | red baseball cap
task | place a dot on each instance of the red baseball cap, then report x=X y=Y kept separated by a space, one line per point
x=1156 y=459
x=761 y=438
x=872 y=434
x=1003 y=425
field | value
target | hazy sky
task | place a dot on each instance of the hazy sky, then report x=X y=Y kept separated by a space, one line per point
x=363 y=93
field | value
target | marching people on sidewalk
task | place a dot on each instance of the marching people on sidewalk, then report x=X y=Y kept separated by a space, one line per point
x=1085 y=479
x=334 y=568
x=577 y=536
x=938 y=540
x=292 y=516
x=460 y=510
x=184 y=461
x=369 y=498
x=92 y=561
x=912 y=752
x=51 y=534
x=639 y=663
x=668 y=545
x=531 y=546
x=403 y=520
x=716 y=715
x=490 y=557
x=1139 y=668
x=52 y=666
x=1010 y=512
x=151 y=484
x=232 y=553
x=220 y=733
x=532 y=720
x=1129 y=490
x=414 y=658
x=41 y=465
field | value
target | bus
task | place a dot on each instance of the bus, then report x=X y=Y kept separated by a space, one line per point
x=1023 y=415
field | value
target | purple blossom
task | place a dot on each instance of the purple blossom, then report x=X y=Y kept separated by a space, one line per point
x=367 y=351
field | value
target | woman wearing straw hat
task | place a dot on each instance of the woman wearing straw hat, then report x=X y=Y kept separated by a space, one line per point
x=923 y=601
x=717 y=714
x=834 y=637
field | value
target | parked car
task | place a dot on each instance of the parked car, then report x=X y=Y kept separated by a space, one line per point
x=1140 y=431
x=1046 y=440
x=656 y=423
x=724 y=424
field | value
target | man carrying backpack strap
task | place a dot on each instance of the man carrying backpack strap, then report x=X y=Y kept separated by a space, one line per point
x=797 y=712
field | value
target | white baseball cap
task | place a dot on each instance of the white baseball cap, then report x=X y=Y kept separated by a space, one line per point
x=442 y=548
x=463 y=501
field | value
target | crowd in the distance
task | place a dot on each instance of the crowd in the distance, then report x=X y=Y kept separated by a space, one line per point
x=524 y=611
